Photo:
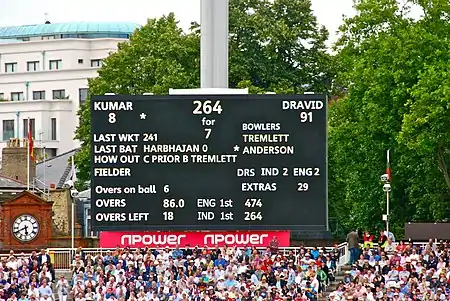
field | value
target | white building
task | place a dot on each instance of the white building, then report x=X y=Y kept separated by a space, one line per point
x=44 y=71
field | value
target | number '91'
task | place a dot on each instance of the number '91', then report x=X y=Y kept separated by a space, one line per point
x=306 y=117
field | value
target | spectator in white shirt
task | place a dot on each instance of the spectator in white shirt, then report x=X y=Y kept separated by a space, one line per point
x=242 y=268
x=62 y=288
x=33 y=291
x=12 y=263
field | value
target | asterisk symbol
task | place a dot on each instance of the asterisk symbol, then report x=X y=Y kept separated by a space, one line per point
x=236 y=148
x=143 y=115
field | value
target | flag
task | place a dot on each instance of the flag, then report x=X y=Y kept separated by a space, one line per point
x=30 y=141
x=388 y=167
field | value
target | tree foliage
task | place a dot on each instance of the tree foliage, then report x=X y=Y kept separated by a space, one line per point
x=158 y=57
x=278 y=46
x=396 y=70
x=274 y=46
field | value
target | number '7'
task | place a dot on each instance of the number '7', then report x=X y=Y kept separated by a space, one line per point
x=208 y=133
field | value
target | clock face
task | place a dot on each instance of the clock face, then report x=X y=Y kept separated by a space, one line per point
x=25 y=228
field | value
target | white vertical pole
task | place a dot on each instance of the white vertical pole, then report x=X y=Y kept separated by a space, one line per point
x=73 y=224
x=28 y=155
x=214 y=43
x=45 y=174
x=73 y=202
x=387 y=213
x=387 y=193
x=206 y=43
x=74 y=178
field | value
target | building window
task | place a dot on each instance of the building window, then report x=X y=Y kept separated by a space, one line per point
x=96 y=63
x=83 y=95
x=59 y=94
x=80 y=61
x=55 y=64
x=2 y=96
x=25 y=128
x=53 y=128
x=32 y=66
x=10 y=67
x=48 y=153
x=51 y=152
x=17 y=96
x=38 y=95
x=8 y=129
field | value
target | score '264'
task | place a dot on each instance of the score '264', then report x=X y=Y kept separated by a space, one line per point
x=207 y=107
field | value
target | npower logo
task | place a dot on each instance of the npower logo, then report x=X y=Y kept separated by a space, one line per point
x=149 y=239
x=235 y=239
x=195 y=239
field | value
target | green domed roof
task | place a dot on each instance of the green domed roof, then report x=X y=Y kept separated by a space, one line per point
x=67 y=28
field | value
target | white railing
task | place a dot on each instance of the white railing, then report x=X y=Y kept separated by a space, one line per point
x=62 y=257
x=45 y=188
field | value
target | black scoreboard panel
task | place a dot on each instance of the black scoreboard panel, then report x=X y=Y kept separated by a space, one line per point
x=209 y=162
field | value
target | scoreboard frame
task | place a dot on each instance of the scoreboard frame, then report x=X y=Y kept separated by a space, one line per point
x=171 y=225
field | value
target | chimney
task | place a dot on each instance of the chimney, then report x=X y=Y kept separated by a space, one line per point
x=14 y=161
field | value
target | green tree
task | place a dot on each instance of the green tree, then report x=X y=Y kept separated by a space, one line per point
x=159 y=56
x=274 y=46
x=386 y=60
x=278 y=46
x=426 y=124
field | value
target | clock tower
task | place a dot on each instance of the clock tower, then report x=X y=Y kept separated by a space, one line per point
x=26 y=222
x=25 y=228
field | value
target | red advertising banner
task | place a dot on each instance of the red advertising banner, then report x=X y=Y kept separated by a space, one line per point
x=181 y=239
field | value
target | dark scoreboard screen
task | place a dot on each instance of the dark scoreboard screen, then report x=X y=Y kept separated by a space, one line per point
x=209 y=162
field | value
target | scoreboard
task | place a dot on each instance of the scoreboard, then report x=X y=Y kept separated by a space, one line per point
x=209 y=162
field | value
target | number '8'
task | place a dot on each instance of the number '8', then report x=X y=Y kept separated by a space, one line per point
x=112 y=118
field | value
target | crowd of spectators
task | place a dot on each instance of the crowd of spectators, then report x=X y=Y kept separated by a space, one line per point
x=384 y=271
x=26 y=278
x=180 y=274
x=395 y=271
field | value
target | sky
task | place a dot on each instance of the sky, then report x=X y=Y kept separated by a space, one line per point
x=25 y=12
